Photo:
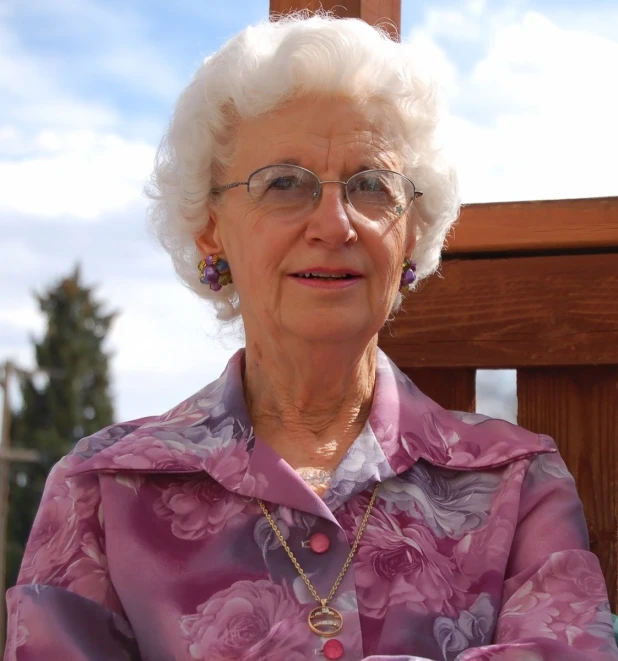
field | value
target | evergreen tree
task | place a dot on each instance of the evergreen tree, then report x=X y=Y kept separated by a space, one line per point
x=67 y=399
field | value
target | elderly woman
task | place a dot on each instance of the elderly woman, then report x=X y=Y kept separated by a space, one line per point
x=311 y=503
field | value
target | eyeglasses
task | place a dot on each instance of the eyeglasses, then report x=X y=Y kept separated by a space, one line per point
x=288 y=190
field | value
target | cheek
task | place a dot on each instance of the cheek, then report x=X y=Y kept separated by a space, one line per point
x=246 y=241
x=388 y=254
x=258 y=262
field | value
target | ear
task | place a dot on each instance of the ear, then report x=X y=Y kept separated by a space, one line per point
x=208 y=241
x=411 y=238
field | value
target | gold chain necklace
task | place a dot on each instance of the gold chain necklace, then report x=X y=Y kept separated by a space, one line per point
x=324 y=620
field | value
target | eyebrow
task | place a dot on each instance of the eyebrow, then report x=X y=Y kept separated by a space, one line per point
x=361 y=168
x=287 y=161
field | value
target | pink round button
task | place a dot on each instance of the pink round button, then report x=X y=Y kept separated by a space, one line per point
x=333 y=650
x=319 y=543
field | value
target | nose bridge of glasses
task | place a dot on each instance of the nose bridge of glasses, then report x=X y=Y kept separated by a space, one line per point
x=318 y=193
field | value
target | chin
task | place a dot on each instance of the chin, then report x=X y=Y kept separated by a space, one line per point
x=333 y=327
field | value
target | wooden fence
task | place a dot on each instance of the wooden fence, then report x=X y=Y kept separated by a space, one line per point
x=531 y=286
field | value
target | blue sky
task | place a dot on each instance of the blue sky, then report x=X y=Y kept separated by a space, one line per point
x=87 y=87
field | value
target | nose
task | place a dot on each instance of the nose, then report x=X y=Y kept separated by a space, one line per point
x=328 y=222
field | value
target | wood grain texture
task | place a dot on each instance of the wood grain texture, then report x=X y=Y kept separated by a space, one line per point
x=385 y=13
x=510 y=313
x=554 y=225
x=578 y=407
x=341 y=8
x=454 y=390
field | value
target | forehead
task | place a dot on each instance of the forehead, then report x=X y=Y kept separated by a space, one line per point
x=321 y=133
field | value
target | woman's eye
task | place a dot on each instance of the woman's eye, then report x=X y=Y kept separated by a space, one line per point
x=370 y=184
x=283 y=183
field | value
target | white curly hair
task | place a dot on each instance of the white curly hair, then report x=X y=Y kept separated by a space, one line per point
x=257 y=71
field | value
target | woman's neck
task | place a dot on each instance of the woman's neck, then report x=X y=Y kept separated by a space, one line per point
x=309 y=407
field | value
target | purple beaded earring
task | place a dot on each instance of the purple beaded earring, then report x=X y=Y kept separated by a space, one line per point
x=214 y=271
x=408 y=275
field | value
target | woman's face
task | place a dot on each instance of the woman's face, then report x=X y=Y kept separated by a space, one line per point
x=267 y=252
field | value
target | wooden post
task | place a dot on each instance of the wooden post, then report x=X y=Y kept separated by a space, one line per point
x=386 y=13
x=578 y=406
x=7 y=455
x=5 y=475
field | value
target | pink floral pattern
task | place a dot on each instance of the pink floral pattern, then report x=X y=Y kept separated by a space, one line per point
x=63 y=518
x=146 y=452
x=228 y=462
x=411 y=569
x=249 y=621
x=88 y=575
x=149 y=534
x=449 y=503
x=472 y=627
x=545 y=602
x=197 y=507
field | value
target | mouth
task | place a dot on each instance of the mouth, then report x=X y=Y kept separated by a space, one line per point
x=327 y=279
x=326 y=276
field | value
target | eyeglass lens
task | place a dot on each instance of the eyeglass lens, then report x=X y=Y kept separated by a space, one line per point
x=375 y=194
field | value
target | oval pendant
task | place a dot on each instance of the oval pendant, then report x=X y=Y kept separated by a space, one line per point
x=325 y=621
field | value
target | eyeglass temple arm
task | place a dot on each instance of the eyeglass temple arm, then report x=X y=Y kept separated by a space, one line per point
x=220 y=189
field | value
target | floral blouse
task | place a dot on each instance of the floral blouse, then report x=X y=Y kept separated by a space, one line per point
x=150 y=545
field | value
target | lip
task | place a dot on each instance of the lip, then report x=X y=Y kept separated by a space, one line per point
x=318 y=283
x=329 y=271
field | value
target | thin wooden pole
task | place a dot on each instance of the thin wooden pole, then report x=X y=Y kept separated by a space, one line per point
x=7 y=455
x=386 y=13
x=5 y=475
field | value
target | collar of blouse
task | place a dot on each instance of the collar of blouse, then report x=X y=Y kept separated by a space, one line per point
x=211 y=432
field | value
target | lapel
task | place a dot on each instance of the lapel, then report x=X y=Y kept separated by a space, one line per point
x=406 y=426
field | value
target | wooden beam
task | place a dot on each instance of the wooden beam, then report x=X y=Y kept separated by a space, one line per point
x=546 y=226
x=21 y=455
x=7 y=455
x=5 y=476
x=346 y=9
x=510 y=313
x=453 y=389
x=386 y=13
x=578 y=407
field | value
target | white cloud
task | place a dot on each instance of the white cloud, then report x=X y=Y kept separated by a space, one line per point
x=433 y=62
x=111 y=41
x=16 y=258
x=164 y=339
x=535 y=117
x=162 y=326
x=32 y=96
x=471 y=22
x=62 y=155
x=78 y=174
x=23 y=317
x=533 y=63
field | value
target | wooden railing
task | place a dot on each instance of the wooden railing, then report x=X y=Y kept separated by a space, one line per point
x=531 y=286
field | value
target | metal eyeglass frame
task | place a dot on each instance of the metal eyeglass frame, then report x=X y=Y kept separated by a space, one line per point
x=221 y=189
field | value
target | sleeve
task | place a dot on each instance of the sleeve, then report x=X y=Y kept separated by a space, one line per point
x=64 y=605
x=555 y=603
